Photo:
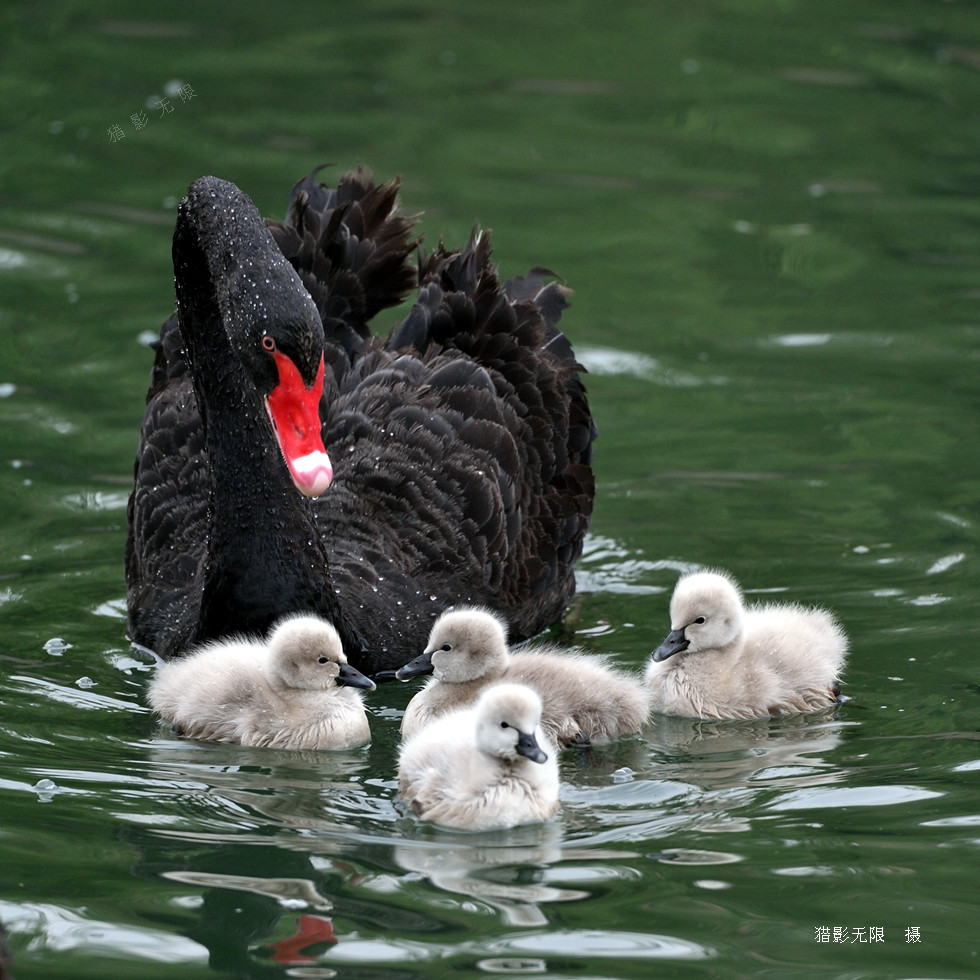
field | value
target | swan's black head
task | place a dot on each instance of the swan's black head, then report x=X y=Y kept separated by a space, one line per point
x=231 y=277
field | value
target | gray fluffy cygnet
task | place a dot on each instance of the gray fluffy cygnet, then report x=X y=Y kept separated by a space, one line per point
x=724 y=661
x=296 y=691
x=482 y=767
x=585 y=699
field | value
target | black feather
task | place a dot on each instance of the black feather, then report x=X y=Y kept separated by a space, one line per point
x=461 y=444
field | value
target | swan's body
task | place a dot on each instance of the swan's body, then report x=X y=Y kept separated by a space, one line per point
x=483 y=767
x=723 y=661
x=294 y=692
x=585 y=700
x=448 y=462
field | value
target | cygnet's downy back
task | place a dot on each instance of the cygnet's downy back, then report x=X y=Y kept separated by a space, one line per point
x=585 y=700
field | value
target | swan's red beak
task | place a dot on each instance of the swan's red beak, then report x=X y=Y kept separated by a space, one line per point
x=294 y=411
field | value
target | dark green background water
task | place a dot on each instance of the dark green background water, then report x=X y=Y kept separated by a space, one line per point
x=770 y=215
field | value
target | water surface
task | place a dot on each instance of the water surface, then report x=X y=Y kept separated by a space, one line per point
x=768 y=213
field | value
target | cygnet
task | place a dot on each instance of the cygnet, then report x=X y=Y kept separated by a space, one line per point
x=294 y=692
x=723 y=661
x=484 y=767
x=585 y=700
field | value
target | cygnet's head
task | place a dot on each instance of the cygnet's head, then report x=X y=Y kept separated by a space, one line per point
x=464 y=645
x=706 y=613
x=305 y=652
x=508 y=717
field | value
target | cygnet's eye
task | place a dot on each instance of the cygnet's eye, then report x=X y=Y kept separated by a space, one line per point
x=323 y=660
x=446 y=647
x=504 y=724
x=699 y=621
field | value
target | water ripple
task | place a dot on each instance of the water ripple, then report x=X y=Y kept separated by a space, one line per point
x=610 y=361
x=78 y=697
x=819 y=799
x=61 y=929
x=601 y=943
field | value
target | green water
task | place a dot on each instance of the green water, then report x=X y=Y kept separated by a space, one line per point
x=770 y=215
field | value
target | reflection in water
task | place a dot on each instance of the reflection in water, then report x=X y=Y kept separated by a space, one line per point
x=687 y=857
x=311 y=930
x=719 y=755
x=514 y=880
x=608 y=566
x=602 y=943
x=288 y=892
x=688 y=777
x=84 y=935
x=78 y=695
x=868 y=795
x=230 y=798
x=613 y=361
x=257 y=787
x=254 y=836
x=277 y=859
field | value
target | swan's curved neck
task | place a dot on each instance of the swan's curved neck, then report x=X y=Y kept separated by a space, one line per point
x=264 y=554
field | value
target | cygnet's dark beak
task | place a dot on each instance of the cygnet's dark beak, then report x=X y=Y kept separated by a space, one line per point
x=415 y=668
x=351 y=677
x=676 y=642
x=527 y=745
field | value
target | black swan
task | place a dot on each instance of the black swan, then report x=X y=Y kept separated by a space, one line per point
x=290 y=461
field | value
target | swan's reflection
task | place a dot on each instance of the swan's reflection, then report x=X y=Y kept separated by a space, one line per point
x=253 y=842
x=245 y=788
x=789 y=752
x=513 y=879
x=288 y=892
x=686 y=776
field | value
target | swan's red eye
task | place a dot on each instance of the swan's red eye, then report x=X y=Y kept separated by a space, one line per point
x=269 y=343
